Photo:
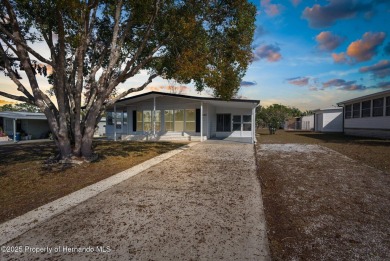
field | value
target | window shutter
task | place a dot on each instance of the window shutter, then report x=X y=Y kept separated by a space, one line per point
x=134 y=120
x=197 y=120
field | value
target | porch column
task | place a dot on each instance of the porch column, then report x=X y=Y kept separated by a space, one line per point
x=14 y=126
x=114 y=122
x=253 y=124
x=154 y=116
x=201 y=121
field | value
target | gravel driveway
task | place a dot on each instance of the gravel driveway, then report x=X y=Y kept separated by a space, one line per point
x=202 y=204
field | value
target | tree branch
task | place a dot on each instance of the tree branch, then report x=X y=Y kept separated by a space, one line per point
x=16 y=98
x=125 y=93
x=24 y=45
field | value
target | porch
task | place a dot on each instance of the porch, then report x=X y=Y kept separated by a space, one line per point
x=158 y=116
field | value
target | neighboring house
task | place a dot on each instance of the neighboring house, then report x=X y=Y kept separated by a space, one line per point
x=368 y=116
x=100 y=130
x=305 y=123
x=328 y=120
x=27 y=125
x=167 y=116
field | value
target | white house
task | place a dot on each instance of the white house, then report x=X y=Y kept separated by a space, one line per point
x=307 y=122
x=167 y=116
x=368 y=115
x=328 y=120
x=32 y=125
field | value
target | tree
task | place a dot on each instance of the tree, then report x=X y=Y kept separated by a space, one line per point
x=96 y=45
x=275 y=115
x=20 y=107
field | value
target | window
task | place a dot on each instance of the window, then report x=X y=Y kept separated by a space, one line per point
x=168 y=120
x=190 y=120
x=179 y=120
x=125 y=120
x=366 y=109
x=147 y=120
x=119 y=118
x=246 y=122
x=223 y=122
x=356 y=110
x=377 y=107
x=157 y=120
x=139 y=121
x=236 y=122
x=110 y=118
x=388 y=106
x=348 y=111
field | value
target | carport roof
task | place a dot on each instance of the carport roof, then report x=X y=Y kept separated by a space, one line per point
x=23 y=115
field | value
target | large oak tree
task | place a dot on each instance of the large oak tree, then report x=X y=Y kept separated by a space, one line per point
x=96 y=45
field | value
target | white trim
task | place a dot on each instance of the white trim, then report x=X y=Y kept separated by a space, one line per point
x=201 y=121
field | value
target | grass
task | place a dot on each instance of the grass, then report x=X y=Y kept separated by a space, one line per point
x=370 y=151
x=26 y=183
x=320 y=205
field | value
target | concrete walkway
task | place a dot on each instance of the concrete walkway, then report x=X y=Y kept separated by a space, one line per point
x=201 y=204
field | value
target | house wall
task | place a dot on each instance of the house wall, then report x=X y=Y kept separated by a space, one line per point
x=37 y=128
x=168 y=103
x=329 y=121
x=372 y=126
x=232 y=111
x=307 y=122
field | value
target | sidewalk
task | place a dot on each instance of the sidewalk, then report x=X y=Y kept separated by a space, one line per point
x=201 y=204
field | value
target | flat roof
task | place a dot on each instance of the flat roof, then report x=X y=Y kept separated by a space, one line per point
x=23 y=115
x=186 y=97
x=365 y=97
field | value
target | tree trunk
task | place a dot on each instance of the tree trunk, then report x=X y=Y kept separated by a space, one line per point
x=86 y=143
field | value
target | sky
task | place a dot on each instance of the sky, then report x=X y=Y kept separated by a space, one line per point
x=307 y=54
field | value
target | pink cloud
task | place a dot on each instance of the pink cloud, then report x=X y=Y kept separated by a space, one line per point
x=296 y=2
x=380 y=69
x=271 y=9
x=339 y=58
x=328 y=41
x=324 y=16
x=366 y=48
x=344 y=85
x=269 y=52
x=299 y=81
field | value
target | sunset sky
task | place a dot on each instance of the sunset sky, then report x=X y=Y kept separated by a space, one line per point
x=309 y=54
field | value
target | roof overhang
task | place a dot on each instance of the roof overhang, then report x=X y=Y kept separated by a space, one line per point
x=370 y=96
x=233 y=103
x=23 y=115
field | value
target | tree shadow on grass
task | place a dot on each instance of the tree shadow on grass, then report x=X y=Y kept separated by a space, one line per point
x=21 y=153
x=342 y=138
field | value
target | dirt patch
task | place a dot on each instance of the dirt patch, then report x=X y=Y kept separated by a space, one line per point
x=26 y=183
x=322 y=205
x=372 y=152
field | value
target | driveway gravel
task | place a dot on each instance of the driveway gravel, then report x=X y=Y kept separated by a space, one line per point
x=202 y=204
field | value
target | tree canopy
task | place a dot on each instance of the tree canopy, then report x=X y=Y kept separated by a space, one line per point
x=274 y=116
x=26 y=107
x=96 y=45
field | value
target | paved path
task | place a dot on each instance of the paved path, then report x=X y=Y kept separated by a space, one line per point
x=202 y=204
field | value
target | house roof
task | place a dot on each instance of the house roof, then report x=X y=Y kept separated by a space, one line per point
x=148 y=95
x=373 y=95
x=328 y=109
x=23 y=115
